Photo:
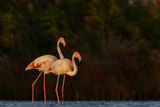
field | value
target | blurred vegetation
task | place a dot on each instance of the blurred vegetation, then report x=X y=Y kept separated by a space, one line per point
x=119 y=43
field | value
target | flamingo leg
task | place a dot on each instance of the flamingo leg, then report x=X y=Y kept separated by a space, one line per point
x=63 y=87
x=56 y=89
x=44 y=89
x=33 y=87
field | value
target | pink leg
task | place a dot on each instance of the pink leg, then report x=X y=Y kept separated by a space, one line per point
x=44 y=89
x=33 y=87
x=63 y=87
x=56 y=89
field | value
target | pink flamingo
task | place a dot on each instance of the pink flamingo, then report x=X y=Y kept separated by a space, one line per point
x=64 y=67
x=42 y=63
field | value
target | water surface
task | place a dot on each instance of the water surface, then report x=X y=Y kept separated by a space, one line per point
x=81 y=104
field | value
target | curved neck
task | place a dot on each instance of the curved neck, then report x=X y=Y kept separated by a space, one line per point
x=75 y=69
x=59 y=50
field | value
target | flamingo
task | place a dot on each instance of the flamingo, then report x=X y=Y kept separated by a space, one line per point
x=42 y=63
x=64 y=67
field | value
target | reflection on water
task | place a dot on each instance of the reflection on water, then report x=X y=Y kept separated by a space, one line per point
x=81 y=104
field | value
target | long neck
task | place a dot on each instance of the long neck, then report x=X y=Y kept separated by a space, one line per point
x=75 y=69
x=59 y=50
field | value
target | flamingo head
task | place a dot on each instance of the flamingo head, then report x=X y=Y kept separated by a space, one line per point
x=61 y=39
x=30 y=66
x=77 y=55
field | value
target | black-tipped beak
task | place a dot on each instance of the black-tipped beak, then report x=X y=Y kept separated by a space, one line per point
x=64 y=44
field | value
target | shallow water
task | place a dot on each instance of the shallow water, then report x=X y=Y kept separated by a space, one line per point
x=81 y=104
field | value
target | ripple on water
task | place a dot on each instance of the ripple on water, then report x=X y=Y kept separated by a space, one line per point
x=81 y=104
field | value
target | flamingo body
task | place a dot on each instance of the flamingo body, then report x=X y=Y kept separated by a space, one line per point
x=65 y=66
x=61 y=66
x=43 y=62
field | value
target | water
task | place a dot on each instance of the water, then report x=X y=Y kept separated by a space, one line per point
x=81 y=104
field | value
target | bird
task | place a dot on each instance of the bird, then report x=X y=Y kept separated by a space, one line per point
x=64 y=67
x=42 y=63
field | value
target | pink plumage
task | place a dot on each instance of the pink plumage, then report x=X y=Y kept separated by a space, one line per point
x=64 y=67
x=50 y=64
x=42 y=63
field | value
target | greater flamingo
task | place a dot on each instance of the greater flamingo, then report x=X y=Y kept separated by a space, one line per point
x=42 y=63
x=64 y=67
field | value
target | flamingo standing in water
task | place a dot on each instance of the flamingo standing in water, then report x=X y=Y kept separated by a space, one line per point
x=42 y=63
x=64 y=67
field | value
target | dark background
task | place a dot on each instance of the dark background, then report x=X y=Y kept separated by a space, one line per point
x=118 y=40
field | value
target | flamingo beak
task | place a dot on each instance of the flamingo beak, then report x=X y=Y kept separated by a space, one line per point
x=30 y=66
x=64 y=44
x=80 y=58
